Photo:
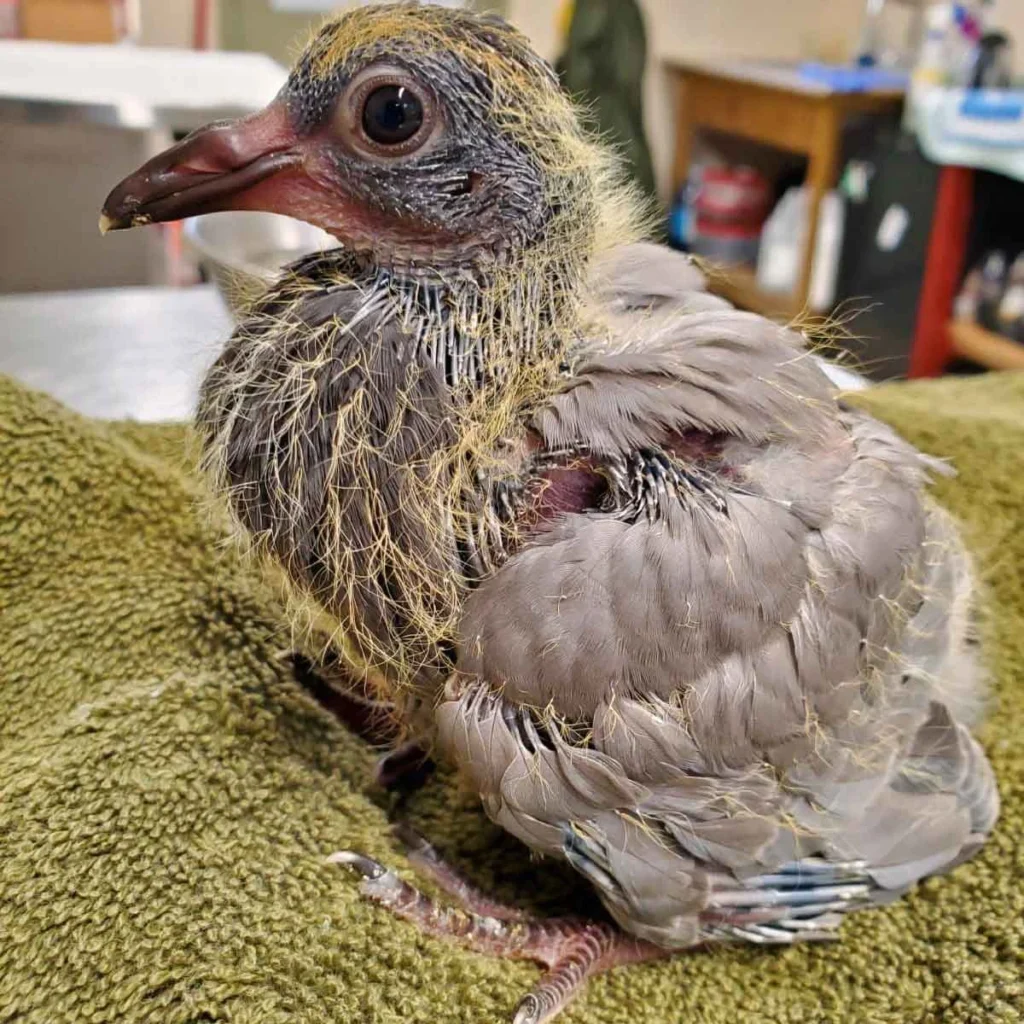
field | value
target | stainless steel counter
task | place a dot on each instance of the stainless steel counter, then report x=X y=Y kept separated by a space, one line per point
x=117 y=353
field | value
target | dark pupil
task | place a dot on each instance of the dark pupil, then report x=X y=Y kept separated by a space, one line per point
x=392 y=114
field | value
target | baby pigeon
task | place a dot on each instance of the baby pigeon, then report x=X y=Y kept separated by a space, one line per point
x=615 y=550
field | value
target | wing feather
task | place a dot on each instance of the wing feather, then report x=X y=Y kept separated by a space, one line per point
x=737 y=717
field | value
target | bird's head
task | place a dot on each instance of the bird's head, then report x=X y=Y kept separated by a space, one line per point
x=420 y=137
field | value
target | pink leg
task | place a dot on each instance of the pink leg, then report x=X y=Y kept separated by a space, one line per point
x=571 y=949
x=428 y=862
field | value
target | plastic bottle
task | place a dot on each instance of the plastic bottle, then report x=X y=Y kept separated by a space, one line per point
x=682 y=217
x=782 y=238
x=782 y=247
x=965 y=307
x=731 y=207
x=828 y=247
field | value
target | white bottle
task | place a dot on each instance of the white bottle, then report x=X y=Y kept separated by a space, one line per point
x=828 y=247
x=1010 y=318
x=932 y=68
x=778 y=262
x=783 y=238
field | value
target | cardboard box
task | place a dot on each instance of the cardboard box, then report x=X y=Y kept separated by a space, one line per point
x=74 y=21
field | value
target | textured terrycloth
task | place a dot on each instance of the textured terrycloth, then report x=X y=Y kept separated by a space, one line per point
x=169 y=790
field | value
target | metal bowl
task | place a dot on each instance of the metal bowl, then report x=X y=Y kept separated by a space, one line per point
x=243 y=252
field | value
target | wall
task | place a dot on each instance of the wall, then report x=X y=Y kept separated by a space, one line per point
x=234 y=24
x=767 y=29
x=254 y=25
x=841 y=19
x=680 y=29
x=166 y=22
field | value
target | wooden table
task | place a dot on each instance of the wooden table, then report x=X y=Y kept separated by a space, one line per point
x=776 y=106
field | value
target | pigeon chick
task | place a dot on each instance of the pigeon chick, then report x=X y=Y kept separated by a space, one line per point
x=611 y=547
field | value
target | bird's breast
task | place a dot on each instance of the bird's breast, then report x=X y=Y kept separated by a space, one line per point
x=334 y=445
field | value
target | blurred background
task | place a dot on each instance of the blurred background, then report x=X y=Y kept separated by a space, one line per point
x=859 y=160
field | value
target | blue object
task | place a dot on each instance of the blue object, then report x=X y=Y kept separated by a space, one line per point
x=844 y=78
x=682 y=217
x=679 y=226
x=993 y=104
x=976 y=128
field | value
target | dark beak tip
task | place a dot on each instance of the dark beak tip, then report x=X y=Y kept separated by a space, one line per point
x=206 y=172
x=113 y=213
x=121 y=210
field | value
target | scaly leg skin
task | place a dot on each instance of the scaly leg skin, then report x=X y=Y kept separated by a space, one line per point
x=572 y=949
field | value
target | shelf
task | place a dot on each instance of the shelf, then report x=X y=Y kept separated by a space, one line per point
x=984 y=347
x=739 y=285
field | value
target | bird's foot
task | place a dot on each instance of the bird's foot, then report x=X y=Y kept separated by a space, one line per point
x=571 y=949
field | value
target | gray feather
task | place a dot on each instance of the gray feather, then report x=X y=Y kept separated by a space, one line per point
x=738 y=717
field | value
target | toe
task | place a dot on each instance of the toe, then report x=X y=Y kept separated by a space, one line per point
x=369 y=868
x=412 y=840
x=528 y=1011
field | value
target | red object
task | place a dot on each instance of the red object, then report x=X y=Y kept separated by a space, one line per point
x=711 y=228
x=735 y=198
x=201 y=24
x=9 y=22
x=946 y=249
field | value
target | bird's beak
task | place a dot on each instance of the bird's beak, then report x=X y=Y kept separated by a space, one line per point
x=254 y=163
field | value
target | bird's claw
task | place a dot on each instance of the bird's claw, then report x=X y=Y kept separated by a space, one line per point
x=370 y=869
x=528 y=1011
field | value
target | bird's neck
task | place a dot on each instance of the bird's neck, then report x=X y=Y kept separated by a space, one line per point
x=479 y=326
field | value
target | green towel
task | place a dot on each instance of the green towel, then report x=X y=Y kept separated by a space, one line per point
x=169 y=791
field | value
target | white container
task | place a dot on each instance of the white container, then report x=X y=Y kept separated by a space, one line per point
x=828 y=247
x=782 y=247
x=778 y=264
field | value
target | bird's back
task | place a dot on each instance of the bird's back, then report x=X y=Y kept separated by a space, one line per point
x=730 y=684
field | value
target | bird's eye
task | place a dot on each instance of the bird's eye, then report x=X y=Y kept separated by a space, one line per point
x=386 y=113
x=392 y=114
